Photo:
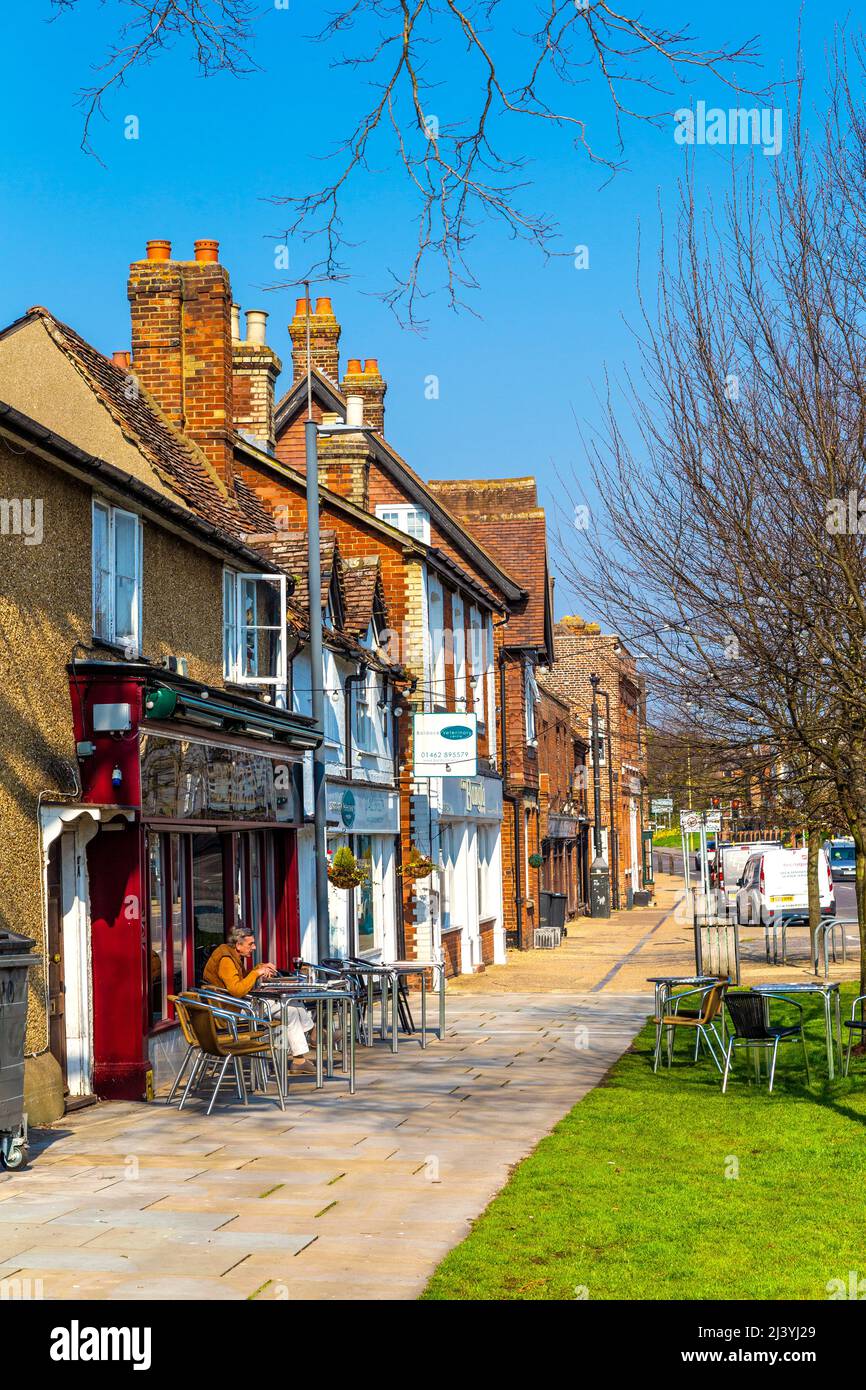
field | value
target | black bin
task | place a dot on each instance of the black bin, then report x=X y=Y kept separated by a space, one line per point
x=544 y=908
x=16 y=958
x=556 y=911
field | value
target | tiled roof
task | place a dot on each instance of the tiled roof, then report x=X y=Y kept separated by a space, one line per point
x=288 y=549
x=362 y=580
x=505 y=516
x=176 y=460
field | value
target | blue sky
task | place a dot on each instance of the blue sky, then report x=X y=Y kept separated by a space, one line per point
x=513 y=381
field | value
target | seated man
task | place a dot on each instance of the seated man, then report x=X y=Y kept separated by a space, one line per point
x=225 y=970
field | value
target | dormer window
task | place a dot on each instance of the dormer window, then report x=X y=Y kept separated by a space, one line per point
x=414 y=521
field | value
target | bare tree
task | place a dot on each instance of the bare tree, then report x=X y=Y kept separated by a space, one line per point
x=491 y=66
x=730 y=546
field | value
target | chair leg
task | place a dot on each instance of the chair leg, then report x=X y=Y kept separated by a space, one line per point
x=806 y=1057
x=198 y=1069
x=848 y=1051
x=657 y=1052
x=773 y=1063
x=183 y=1066
x=670 y=1033
x=219 y=1082
x=277 y=1077
x=239 y=1078
x=726 y=1072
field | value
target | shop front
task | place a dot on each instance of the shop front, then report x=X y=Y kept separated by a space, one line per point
x=469 y=906
x=366 y=818
x=564 y=851
x=211 y=787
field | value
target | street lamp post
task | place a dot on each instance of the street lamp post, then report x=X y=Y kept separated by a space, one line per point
x=599 y=874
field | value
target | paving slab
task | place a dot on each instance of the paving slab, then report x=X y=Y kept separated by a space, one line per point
x=339 y=1196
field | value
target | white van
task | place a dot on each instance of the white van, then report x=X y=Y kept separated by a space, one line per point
x=773 y=887
x=732 y=861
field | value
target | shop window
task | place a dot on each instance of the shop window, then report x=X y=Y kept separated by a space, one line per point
x=449 y=907
x=166 y=923
x=207 y=896
x=477 y=643
x=254 y=624
x=365 y=917
x=116 y=576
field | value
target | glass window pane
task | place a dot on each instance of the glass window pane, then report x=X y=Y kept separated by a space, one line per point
x=178 y=914
x=207 y=898
x=156 y=928
x=364 y=915
x=125 y=567
x=101 y=574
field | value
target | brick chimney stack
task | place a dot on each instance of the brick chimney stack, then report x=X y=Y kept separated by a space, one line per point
x=365 y=380
x=324 y=340
x=181 y=343
x=255 y=368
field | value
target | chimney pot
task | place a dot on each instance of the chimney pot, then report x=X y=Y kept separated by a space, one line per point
x=159 y=250
x=355 y=410
x=121 y=360
x=353 y=366
x=256 y=324
x=300 y=308
x=371 y=366
x=207 y=251
x=236 y=323
x=324 y=306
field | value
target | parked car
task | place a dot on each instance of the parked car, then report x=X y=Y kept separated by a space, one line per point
x=732 y=861
x=773 y=887
x=840 y=853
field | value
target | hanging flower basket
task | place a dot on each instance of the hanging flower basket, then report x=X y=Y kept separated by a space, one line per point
x=345 y=871
x=416 y=865
x=535 y=861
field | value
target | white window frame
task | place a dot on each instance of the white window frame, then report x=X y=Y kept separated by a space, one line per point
x=477 y=656
x=110 y=569
x=412 y=521
x=458 y=645
x=436 y=634
x=366 y=698
x=235 y=631
x=530 y=697
x=490 y=685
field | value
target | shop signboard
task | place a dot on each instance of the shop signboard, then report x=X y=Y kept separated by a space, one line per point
x=363 y=810
x=444 y=745
x=190 y=779
x=471 y=798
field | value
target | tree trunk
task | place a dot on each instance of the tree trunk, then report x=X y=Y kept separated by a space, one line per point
x=814 y=847
x=858 y=830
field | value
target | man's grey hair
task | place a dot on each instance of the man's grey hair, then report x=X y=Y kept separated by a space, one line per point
x=238 y=934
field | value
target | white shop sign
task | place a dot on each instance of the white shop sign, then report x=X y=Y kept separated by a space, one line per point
x=471 y=798
x=363 y=810
x=691 y=821
x=444 y=745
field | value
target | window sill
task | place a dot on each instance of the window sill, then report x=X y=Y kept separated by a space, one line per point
x=117 y=648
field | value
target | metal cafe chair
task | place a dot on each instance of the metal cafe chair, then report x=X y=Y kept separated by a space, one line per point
x=232 y=1046
x=748 y=1015
x=700 y=1021
x=854 y=1025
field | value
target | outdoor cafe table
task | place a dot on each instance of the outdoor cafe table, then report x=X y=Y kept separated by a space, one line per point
x=293 y=992
x=825 y=988
x=401 y=969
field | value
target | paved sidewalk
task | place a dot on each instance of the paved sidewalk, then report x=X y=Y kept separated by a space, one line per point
x=340 y=1197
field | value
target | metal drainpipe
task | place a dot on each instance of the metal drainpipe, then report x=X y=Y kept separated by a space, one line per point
x=517 y=838
x=614 y=836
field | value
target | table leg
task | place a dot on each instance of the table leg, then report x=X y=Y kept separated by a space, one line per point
x=369 y=1034
x=837 y=1001
x=423 y=1008
x=395 y=999
x=383 y=1000
x=351 y=1013
x=344 y=1056
x=329 y=1006
x=828 y=1033
x=320 y=1080
x=284 y=1045
x=441 y=1001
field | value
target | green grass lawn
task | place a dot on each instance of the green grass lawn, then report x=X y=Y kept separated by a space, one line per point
x=667 y=839
x=633 y=1195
